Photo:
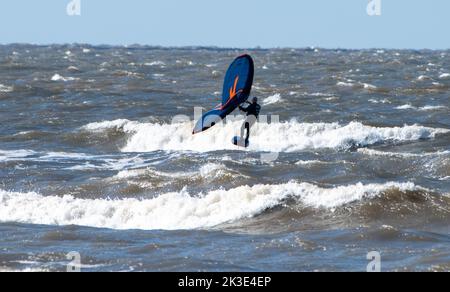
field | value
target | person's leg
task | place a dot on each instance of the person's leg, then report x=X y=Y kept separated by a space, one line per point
x=247 y=127
x=244 y=133
x=251 y=120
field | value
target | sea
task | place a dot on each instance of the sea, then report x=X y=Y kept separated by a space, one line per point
x=348 y=168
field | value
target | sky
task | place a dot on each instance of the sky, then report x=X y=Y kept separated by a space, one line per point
x=413 y=24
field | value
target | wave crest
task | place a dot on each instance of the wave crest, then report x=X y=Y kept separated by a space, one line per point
x=275 y=137
x=180 y=210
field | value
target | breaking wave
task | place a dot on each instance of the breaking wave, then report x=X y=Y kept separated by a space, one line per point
x=275 y=137
x=181 y=210
x=273 y=99
x=6 y=89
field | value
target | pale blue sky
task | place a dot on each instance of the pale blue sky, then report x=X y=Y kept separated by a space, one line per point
x=230 y=23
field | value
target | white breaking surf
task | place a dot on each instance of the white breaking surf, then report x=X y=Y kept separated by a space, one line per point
x=180 y=210
x=277 y=137
x=6 y=89
x=272 y=99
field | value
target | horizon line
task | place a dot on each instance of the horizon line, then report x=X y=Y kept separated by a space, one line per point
x=220 y=47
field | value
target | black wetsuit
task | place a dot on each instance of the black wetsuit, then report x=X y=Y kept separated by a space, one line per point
x=252 y=116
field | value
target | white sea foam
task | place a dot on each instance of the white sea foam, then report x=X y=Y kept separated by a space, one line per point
x=423 y=78
x=26 y=270
x=110 y=164
x=206 y=171
x=73 y=69
x=277 y=137
x=49 y=156
x=346 y=84
x=180 y=210
x=65 y=155
x=100 y=126
x=212 y=170
x=6 y=89
x=383 y=101
x=86 y=161
x=424 y=108
x=369 y=86
x=22 y=133
x=272 y=99
x=8 y=155
x=444 y=76
x=132 y=173
x=433 y=107
x=352 y=84
x=405 y=107
x=373 y=152
x=155 y=63
x=58 y=77
x=185 y=62
x=22 y=154
x=309 y=162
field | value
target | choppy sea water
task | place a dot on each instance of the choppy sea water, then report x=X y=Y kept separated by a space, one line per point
x=91 y=162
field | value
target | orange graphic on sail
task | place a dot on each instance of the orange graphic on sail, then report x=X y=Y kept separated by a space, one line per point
x=233 y=92
x=233 y=89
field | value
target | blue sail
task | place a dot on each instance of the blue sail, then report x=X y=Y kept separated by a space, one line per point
x=236 y=90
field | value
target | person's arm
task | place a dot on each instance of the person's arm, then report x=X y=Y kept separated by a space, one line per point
x=245 y=109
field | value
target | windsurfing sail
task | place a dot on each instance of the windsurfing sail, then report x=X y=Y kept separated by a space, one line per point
x=236 y=90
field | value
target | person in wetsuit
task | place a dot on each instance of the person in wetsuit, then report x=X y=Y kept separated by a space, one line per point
x=252 y=112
